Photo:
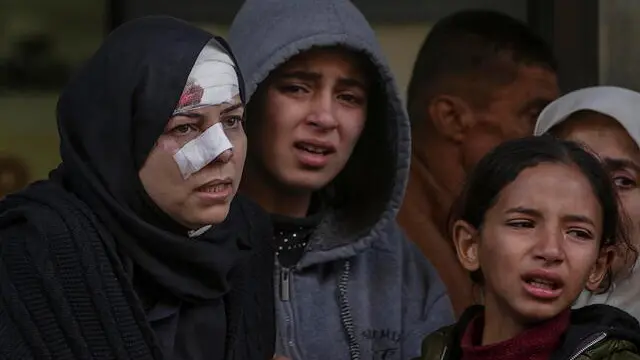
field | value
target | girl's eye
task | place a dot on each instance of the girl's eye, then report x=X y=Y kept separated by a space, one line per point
x=580 y=234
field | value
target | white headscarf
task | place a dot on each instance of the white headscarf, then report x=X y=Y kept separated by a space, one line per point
x=621 y=104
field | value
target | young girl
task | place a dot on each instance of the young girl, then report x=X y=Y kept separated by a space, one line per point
x=605 y=119
x=536 y=225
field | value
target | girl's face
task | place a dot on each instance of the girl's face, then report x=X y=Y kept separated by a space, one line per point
x=538 y=246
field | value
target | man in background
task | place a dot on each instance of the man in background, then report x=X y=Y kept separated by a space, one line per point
x=480 y=78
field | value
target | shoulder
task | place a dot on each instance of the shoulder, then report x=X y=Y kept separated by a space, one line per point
x=254 y=215
x=415 y=264
x=417 y=270
x=254 y=223
x=393 y=238
x=434 y=346
x=25 y=247
x=27 y=221
x=613 y=349
x=423 y=291
x=396 y=238
x=41 y=214
x=18 y=230
x=444 y=343
x=31 y=221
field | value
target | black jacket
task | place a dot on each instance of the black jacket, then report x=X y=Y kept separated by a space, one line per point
x=73 y=247
x=596 y=332
x=64 y=293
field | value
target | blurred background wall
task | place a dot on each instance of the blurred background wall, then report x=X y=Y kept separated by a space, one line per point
x=42 y=42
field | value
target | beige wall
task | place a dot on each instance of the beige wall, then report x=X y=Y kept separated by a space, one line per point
x=28 y=130
x=401 y=44
x=77 y=26
x=28 y=125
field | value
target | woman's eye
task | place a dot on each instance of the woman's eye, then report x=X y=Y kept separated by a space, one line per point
x=624 y=182
x=184 y=129
x=231 y=121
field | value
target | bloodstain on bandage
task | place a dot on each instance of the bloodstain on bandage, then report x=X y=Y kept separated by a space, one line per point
x=192 y=95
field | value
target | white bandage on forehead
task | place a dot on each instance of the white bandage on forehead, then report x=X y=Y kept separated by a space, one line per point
x=212 y=80
x=202 y=150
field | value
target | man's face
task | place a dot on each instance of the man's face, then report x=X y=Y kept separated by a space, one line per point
x=310 y=118
x=511 y=111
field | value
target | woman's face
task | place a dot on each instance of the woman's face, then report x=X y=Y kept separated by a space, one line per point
x=204 y=197
x=539 y=244
x=619 y=153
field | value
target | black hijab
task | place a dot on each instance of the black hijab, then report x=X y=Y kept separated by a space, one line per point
x=109 y=118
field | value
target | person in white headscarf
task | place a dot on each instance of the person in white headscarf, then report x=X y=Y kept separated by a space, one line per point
x=606 y=119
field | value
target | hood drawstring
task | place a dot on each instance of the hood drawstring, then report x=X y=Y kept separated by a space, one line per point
x=345 y=312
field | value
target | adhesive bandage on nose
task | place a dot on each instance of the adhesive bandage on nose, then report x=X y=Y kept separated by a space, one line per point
x=202 y=150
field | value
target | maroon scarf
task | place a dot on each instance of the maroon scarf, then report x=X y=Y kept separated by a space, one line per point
x=532 y=344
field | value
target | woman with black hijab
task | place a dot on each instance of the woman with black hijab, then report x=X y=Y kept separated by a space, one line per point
x=133 y=249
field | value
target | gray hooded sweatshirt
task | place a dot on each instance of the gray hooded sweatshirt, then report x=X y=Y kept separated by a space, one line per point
x=361 y=290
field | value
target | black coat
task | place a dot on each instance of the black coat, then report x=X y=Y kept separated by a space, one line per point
x=74 y=247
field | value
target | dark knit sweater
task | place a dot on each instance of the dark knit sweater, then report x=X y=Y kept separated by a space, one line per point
x=64 y=293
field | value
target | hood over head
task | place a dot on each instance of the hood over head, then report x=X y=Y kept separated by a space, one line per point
x=366 y=195
x=110 y=116
x=621 y=104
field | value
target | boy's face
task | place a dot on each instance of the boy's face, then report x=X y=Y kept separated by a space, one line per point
x=311 y=116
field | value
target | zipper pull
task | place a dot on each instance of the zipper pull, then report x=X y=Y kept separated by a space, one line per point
x=284 y=285
x=588 y=343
